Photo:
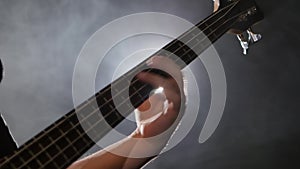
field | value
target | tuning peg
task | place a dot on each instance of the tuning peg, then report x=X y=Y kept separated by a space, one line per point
x=254 y=37
x=248 y=39
x=244 y=43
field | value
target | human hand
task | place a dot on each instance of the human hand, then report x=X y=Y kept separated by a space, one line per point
x=157 y=114
x=153 y=119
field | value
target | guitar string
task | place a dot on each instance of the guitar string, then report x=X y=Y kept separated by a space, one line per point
x=67 y=132
x=92 y=127
x=178 y=59
x=219 y=11
x=184 y=34
x=195 y=27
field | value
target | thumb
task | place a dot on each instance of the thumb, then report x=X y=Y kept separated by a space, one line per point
x=151 y=109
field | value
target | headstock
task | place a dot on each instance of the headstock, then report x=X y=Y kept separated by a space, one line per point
x=246 y=13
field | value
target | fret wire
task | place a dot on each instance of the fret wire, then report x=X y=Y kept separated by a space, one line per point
x=32 y=154
x=36 y=139
x=80 y=136
x=24 y=147
x=45 y=148
x=70 y=145
x=66 y=164
x=56 y=165
x=53 y=141
x=49 y=156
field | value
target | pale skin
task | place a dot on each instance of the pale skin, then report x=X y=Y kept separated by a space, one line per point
x=216 y=5
x=132 y=152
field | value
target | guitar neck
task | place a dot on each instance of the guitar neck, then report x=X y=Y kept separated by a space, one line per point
x=67 y=139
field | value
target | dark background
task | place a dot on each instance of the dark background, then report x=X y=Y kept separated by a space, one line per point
x=40 y=41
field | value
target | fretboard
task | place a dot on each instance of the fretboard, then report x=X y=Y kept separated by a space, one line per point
x=63 y=142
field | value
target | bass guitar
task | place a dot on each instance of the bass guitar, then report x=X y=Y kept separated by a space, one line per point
x=65 y=141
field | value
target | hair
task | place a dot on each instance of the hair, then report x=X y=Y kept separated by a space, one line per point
x=1 y=71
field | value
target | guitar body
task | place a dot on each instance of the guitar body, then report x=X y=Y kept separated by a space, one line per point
x=65 y=141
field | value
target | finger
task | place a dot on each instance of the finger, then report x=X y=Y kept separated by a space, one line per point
x=164 y=122
x=153 y=79
x=151 y=109
x=152 y=101
x=167 y=65
x=170 y=86
x=159 y=81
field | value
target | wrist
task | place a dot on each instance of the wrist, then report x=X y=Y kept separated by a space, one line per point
x=153 y=144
